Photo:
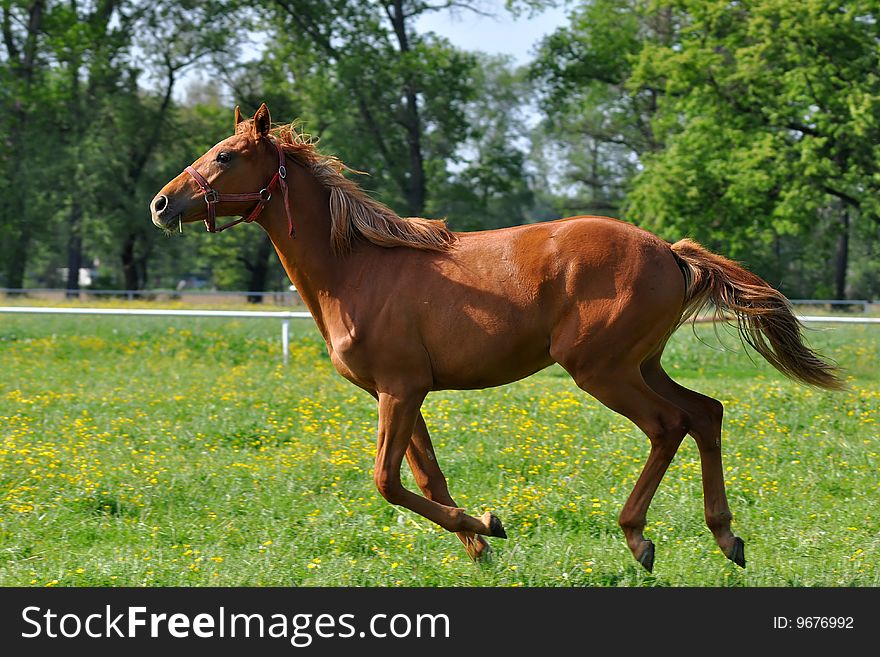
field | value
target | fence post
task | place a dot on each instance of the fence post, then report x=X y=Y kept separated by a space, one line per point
x=285 y=340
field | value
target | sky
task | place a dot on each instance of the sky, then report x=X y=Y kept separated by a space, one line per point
x=498 y=34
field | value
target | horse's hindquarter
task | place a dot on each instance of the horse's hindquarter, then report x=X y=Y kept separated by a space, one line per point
x=624 y=296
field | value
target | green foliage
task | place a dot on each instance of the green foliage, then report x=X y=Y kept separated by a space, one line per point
x=93 y=133
x=383 y=97
x=594 y=123
x=770 y=115
x=752 y=127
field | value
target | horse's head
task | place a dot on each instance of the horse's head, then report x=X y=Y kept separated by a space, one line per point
x=234 y=178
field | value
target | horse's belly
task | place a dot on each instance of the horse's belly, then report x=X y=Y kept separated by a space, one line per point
x=466 y=365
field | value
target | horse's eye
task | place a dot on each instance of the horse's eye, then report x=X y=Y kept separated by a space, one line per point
x=223 y=157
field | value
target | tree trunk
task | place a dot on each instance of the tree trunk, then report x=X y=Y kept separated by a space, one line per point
x=14 y=213
x=134 y=269
x=129 y=263
x=74 y=250
x=17 y=259
x=415 y=189
x=841 y=256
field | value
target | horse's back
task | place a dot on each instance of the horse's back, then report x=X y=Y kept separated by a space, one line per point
x=581 y=259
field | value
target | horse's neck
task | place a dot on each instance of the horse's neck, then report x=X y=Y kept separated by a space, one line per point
x=308 y=260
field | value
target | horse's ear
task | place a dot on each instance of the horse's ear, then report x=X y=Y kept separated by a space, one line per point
x=262 y=122
x=238 y=117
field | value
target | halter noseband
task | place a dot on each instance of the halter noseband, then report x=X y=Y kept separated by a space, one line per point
x=262 y=197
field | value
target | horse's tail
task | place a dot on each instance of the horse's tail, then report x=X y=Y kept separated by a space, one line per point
x=763 y=314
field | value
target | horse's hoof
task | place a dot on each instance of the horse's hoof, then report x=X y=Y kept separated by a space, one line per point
x=737 y=553
x=496 y=529
x=646 y=558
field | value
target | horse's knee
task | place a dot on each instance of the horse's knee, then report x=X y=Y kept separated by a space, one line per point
x=389 y=486
x=714 y=415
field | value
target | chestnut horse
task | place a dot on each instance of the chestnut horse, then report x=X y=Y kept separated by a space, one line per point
x=406 y=307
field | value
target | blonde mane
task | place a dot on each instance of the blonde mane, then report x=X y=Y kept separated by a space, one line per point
x=353 y=213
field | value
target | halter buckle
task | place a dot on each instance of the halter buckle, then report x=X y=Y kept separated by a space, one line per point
x=282 y=171
x=212 y=196
x=265 y=194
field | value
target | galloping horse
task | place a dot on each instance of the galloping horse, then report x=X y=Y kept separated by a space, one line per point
x=406 y=307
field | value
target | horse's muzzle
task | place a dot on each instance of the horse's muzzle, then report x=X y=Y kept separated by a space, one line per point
x=162 y=213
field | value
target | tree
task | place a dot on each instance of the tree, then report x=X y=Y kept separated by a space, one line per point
x=596 y=126
x=200 y=29
x=383 y=97
x=86 y=106
x=771 y=119
x=87 y=50
x=21 y=73
x=490 y=185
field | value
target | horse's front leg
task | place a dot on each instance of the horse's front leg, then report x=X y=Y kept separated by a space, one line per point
x=428 y=475
x=397 y=422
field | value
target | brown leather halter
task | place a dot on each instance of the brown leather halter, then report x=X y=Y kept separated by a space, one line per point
x=262 y=197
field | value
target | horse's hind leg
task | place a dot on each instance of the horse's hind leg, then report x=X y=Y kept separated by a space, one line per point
x=665 y=424
x=430 y=479
x=706 y=415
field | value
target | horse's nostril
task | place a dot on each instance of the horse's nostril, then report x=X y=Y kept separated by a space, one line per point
x=160 y=203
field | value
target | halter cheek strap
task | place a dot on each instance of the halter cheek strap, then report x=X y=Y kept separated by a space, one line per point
x=262 y=197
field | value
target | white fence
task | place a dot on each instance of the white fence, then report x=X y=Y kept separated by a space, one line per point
x=286 y=316
x=839 y=320
x=278 y=298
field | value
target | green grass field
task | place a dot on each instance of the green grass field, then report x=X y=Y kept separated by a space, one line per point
x=160 y=452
